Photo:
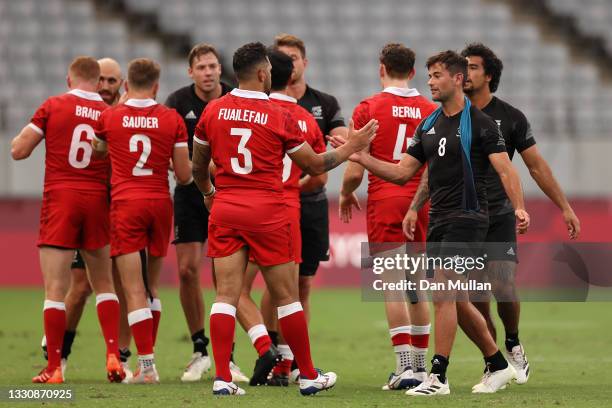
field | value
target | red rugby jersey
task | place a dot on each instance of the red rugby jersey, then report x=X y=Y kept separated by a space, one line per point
x=312 y=134
x=141 y=136
x=398 y=111
x=67 y=123
x=248 y=136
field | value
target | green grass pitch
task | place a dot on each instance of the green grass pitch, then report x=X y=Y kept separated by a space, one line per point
x=567 y=344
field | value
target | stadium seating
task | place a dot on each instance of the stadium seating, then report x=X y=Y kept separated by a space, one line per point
x=562 y=97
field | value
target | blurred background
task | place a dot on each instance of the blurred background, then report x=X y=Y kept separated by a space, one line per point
x=557 y=58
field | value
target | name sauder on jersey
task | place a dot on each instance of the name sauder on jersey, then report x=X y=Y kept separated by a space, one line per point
x=138 y=122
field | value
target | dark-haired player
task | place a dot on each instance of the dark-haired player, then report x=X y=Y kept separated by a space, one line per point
x=459 y=143
x=190 y=214
x=314 y=206
x=247 y=136
x=399 y=109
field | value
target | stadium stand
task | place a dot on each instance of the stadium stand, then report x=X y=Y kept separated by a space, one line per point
x=563 y=98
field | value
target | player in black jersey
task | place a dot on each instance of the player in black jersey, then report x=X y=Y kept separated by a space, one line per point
x=459 y=146
x=484 y=73
x=190 y=214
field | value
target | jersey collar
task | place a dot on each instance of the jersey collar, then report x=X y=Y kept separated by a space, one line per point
x=282 y=97
x=92 y=96
x=245 y=93
x=405 y=92
x=140 y=103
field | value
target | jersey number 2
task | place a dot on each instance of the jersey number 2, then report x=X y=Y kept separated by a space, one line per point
x=139 y=169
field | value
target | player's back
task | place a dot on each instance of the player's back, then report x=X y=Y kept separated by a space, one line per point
x=398 y=111
x=311 y=132
x=67 y=122
x=141 y=136
x=248 y=136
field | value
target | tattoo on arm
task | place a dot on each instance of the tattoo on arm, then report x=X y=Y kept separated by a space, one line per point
x=330 y=160
x=422 y=194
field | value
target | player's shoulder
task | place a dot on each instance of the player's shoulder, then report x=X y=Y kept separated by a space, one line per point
x=511 y=111
x=481 y=117
x=324 y=97
x=181 y=94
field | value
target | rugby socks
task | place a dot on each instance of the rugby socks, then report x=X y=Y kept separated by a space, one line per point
x=260 y=339
x=419 y=340
x=141 y=323
x=496 y=362
x=222 y=326
x=400 y=338
x=156 y=310
x=67 y=343
x=292 y=322
x=439 y=364
x=124 y=354
x=107 y=306
x=512 y=340
x=200 y=342
x=283 y=367
x=54 y=318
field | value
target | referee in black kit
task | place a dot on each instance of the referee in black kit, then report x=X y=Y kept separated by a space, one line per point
x=314 y=206
x=190 y=214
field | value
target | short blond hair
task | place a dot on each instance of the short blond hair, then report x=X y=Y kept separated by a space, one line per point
x=289 y=40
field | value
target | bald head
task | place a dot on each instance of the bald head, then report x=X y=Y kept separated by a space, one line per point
x=111 y=80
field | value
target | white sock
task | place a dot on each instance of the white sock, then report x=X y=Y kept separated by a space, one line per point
x=146 y=361
x=402 y=358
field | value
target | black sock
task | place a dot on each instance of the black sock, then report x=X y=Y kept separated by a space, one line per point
x=67 y=345
x=124 y=354
x=496 y=362
x=512 y=340
x=438 y=366
x=274 y=337
x=232 y=355
x=294 y=365
x=200 y=342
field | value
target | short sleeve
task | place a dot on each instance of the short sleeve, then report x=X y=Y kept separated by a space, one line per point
x=99 y=127
x=38 y=123
x=415 y=145
x=361 y=115
x=334 y=114
x=181 y=133
x=199 y=134
x=492 y=139
x=521 y=133
x=290 y=134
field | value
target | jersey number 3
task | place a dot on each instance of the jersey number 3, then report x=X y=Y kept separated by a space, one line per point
x=245 y=135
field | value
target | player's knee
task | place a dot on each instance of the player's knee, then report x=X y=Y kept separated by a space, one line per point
x=188 y=273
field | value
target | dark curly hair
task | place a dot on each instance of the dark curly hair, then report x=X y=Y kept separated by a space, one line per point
x=247 y=57
x=397 y=59
x=491 y=63
x=453 y=62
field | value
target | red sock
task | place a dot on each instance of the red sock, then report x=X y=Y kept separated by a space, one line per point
x=420 y=336
x=141 y=323
x=54 y=317
x=283 y=367
x=222 y=326
x=260 y=339
x=156 y=309
x=107 y=305
x=293 y=325
x=400 y=335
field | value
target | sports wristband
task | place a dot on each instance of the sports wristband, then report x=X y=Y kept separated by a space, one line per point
x=210 y=192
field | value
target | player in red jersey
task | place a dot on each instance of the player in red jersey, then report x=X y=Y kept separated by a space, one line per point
x=111 y=80
x=74 y=212
x=141 y=137
x=247 y=136
x=260 y=334
x=399 y=109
